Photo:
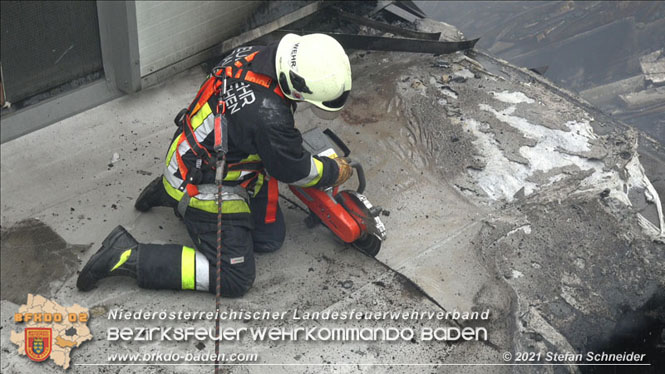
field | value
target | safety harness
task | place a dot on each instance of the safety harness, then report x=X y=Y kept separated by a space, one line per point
x=216 y=84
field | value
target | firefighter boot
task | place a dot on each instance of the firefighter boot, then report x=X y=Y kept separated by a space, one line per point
x=152 y=195
x=117 y=256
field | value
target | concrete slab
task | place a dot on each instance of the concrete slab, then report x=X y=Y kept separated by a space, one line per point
x=81 y=177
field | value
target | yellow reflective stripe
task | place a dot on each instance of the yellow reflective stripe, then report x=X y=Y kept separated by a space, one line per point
x=172 y=191
x=172 y=149
x=229 y=206
x=259 y=184
x=201 y=115
x=196 y=121
x=123 y=258
x=237 y=175
x=254 y=157
x=188 y=268
x=232 y=175
x=319 y=170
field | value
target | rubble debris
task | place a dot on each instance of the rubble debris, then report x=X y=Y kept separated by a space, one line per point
x=645 y=98
x=653 y=67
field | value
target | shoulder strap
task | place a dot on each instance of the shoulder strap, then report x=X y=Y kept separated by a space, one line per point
x=236 y=72
x=241 y=71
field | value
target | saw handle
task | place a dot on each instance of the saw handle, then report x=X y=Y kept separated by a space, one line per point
x=354 y=164
x=361 y=176
x=338 y=142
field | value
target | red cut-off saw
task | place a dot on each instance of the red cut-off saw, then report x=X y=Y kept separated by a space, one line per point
x=348 y=213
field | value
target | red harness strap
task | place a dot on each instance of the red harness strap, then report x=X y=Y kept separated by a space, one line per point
x=191 y=188
x=221 y=109
x=273 y=197
x=210 y=87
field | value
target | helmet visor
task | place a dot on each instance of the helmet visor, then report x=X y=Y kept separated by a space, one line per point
x=337 y=103
x=324 y=114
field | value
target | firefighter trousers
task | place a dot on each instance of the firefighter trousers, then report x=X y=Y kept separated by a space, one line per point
x=169 y=266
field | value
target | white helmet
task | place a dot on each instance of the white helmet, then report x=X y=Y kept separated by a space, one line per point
x=313 y=68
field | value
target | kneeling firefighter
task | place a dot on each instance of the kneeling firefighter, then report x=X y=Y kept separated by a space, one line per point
x=255 y=90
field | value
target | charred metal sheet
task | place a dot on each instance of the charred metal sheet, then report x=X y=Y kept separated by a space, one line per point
x=380 y=43
x=411 y=7
x=385 y=27
x=401 y=13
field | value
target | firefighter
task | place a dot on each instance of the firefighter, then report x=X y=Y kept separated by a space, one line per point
x=264 y=147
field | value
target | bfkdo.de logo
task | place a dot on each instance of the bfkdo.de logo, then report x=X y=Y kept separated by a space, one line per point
x=50 y=331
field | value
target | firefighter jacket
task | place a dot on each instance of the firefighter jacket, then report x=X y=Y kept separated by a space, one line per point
x=263 y=141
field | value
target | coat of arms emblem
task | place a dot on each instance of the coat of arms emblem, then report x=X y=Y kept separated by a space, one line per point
x=38 y=343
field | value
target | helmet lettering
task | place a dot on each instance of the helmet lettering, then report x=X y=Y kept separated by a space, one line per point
x=294 y=52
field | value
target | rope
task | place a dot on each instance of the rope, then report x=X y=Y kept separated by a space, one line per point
x=218 y=291
x=221 y=147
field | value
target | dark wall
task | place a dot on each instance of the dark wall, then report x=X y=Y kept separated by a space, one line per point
x=46 y=44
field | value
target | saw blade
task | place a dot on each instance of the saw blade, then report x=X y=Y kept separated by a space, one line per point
x=369 y=244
